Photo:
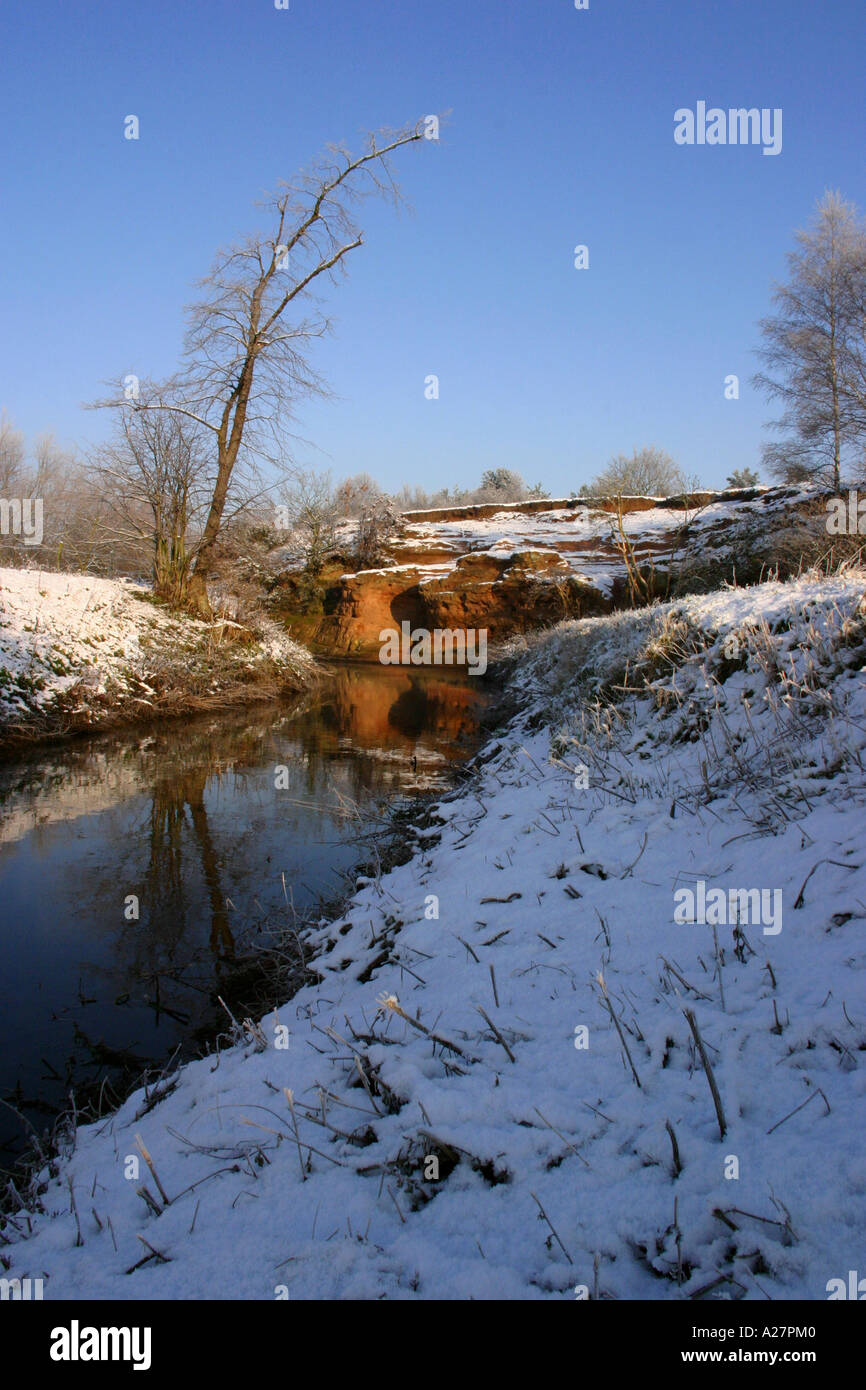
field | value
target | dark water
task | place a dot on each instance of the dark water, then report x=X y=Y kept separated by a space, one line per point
x=188 y=818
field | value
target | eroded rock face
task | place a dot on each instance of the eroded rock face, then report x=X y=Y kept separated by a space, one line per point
x=509 y=594
x=502 y=595
x=508 y=569
x=365 y=604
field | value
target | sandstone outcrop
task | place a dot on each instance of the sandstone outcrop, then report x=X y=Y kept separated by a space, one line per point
x=501 y=595
x=510 y=568
x=509 y=594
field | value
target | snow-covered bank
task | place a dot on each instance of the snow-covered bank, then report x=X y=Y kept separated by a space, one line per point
x=78 y=652
x=494 y=1089
x=714 y=528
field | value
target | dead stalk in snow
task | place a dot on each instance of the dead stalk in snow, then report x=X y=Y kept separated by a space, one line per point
x=396 y=1204
x=607 y=1004
x=366 y=1083
x=719 y=968
x=816 y=1092
x=678 y=1167
x=390 y=1002
x=714 y=1090
x=562 y=1137
x=149 y=1200
x=683 y=981
x=74 y=1209
x=496 y=1033
x=291 y=1099
x=153 y=1173
x=553 y=1229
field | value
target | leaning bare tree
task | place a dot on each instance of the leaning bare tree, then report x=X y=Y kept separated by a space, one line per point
x=815 y=349
x=245 y=361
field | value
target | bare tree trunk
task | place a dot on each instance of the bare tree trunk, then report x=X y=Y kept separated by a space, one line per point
x=834 y=381
x=229 y=443
x=171 y=570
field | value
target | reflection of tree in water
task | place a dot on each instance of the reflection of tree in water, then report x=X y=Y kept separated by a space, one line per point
x=171 y=800
x=163 y=893
x=221 y=939
x=157 y=812
x=333 y=745
x=177 y=836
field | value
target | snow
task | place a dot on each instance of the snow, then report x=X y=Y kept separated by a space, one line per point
x=723 y=740
x=61 y=628
x=585 y=535
x=81 y=637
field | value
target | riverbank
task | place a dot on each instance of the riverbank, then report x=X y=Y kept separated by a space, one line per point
x=531 y=1064
x=79 y=653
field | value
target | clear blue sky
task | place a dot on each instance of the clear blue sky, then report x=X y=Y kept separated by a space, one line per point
x=561 y=132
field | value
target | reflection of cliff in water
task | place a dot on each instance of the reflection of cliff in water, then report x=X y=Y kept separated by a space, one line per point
x=374 y=710
x=395 y=708
x=332 y=748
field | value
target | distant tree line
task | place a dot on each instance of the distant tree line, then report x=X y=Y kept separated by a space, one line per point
x=497 y=485
x=69 y=534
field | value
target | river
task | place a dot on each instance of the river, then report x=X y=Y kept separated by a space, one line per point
x=142 y=871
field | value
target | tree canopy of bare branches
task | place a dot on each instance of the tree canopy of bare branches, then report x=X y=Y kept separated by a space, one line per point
x=375 y=515
x=307 y=511
x=64 y=527
x=646 y=472
x=157 y=483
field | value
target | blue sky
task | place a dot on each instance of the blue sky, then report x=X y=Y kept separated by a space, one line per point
x=560 y=133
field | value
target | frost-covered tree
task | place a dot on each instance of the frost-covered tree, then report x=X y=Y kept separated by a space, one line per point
x=309 y=507
x=814 y=350
x=646 y=472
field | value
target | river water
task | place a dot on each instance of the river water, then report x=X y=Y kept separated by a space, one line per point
x=140 y=871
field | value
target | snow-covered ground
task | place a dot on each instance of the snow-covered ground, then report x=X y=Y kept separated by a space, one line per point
x=496 y=1088
x=88 y=645
x=586 y=536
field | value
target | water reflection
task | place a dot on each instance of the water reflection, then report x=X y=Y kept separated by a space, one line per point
x=218 y=827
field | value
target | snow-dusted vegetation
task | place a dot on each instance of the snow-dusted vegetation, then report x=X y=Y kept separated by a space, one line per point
x=79 y=652
x=603 y=1033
